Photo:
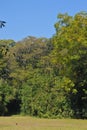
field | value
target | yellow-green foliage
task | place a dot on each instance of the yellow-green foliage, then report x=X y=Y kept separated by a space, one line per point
x=46 y=77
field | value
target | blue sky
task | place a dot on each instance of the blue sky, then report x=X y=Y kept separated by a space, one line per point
x=34 y=17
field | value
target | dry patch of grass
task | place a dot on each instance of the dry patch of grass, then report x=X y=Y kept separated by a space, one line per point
x=29 y=123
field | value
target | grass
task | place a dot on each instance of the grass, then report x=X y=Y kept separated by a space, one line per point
x=29 y=123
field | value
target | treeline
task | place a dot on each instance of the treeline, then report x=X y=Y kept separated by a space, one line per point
x=46 y=77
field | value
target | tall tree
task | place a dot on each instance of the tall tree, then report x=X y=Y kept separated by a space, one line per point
x=70 y=52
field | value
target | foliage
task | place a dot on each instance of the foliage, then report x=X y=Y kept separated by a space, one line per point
x=70 y=43
x=47 y=77
x=6 y=95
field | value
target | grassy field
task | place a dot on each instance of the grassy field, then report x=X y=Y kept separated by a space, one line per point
x=29 y=123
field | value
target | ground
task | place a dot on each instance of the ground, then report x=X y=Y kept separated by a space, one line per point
x=29 y=123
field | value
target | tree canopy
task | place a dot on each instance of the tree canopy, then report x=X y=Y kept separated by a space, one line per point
x=2 y=24
x=46 y=77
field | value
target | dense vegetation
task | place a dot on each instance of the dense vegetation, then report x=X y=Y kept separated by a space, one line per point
x=46 y=77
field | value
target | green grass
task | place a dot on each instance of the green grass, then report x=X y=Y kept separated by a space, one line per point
x=29 y=123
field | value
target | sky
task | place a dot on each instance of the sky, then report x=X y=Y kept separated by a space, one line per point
x=35 y=17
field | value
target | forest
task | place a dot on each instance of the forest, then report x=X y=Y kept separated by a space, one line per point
x=46 y=77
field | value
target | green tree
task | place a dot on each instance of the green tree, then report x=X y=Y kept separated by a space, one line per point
x=5 y=46
x=70 y=45
x=7 y=94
